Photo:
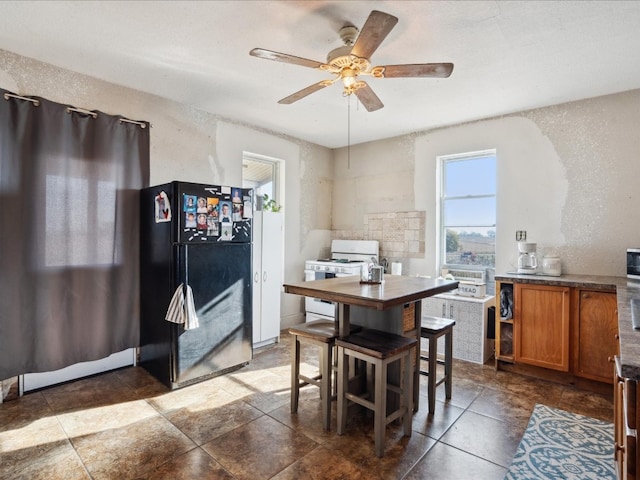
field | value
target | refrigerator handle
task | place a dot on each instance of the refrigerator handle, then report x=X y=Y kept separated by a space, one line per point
x=264 y=276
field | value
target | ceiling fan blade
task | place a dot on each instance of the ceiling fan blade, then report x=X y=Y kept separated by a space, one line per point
x=303 y=93
x=374 y=31
x=368 y=98
x=435 y=70
x=284 y=57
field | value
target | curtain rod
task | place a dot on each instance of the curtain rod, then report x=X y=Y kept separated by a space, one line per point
x=7 y=96
x=135 y=122
x=32 y=100
x=82 y=110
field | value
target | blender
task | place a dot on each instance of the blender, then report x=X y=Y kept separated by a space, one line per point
x=527 y=261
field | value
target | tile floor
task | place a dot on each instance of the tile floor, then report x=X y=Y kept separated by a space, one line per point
x=126 y=425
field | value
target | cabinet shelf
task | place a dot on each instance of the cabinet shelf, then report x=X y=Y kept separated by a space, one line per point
x=508 y=322
x=506 y=358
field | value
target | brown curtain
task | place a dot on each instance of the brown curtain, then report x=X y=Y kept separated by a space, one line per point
x=69 y=216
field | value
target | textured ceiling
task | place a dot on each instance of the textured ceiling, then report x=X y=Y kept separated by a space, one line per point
x=508 y=56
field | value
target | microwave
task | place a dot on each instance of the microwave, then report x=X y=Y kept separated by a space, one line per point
x=633 y=263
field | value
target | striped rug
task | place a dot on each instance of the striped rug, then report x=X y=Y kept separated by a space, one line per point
x=563 y=445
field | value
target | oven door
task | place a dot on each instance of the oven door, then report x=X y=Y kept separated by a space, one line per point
x=315 y=307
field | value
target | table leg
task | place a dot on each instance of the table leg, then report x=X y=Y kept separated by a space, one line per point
x=416 y=373
x=342 y=316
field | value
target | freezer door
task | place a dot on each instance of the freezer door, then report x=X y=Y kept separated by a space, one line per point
x=220 y=278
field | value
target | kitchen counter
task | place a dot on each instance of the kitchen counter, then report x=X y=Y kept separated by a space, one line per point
x=625 y=291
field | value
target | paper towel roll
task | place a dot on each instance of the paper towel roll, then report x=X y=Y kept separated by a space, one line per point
x=396 y=268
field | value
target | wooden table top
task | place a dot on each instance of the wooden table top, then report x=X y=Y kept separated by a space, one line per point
x=395 y=290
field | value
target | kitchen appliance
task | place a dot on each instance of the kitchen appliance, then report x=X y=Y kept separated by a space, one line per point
x=347 y=258
x=633 y=263
x=527 y=260
x=212 y=256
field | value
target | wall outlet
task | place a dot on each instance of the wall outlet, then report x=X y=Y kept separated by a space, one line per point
x=521 y=235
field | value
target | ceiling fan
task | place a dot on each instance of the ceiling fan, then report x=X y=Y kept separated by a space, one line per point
x=347 y=63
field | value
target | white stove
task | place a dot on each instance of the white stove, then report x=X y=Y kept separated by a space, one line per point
x=347 y=258
x=350 y=267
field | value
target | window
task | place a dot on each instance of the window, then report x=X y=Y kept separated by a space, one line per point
x=263 y=175
x=467 y=226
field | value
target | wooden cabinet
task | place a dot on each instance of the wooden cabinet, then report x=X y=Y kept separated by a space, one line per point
x=566 y=329
x=595 y=329
x=267 y=276
x=625 y=410
x=541 y=326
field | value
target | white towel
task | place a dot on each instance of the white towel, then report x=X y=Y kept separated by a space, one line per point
x=191 y=318
x=182 y=310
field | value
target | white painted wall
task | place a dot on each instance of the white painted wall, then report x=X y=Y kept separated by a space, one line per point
x=567 y=174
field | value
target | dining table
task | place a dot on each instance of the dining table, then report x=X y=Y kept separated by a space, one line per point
x=394 y=305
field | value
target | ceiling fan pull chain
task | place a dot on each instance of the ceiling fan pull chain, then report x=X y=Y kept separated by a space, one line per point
x=349 y=132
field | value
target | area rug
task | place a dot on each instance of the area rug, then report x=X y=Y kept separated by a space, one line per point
x=563 y=445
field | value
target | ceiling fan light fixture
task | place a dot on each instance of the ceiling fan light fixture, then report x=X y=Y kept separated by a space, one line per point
x=348 y=77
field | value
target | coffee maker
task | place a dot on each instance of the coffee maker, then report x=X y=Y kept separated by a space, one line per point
x=527 y=260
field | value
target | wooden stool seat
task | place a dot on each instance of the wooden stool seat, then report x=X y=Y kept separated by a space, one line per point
x=378 y=349
x=433 y=328
x=323 y=334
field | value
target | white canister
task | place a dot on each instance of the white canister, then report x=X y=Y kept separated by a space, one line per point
x=396 y=268
x=551 y=265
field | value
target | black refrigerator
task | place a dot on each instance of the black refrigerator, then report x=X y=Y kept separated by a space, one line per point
x=196 y=236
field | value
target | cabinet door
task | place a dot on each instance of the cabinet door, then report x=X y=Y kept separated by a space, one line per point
x=272 y=235
x=435 y=307
x=256 y=254
x=596 y=334
x=267 y=274
x=469 y=333
x=541 y=326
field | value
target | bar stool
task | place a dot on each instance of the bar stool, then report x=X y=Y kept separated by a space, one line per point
x=378 y=349
x=433 y=328
x=323 y=334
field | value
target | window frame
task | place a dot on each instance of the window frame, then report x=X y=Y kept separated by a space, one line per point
x=442 y=161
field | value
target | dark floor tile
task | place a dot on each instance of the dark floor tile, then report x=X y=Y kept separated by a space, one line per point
x=510 y=406
x=463 y=392
x=259 y=449
x=437 y=424
x=323 y=464
x=131 y=450
x=484 y=437
x=90 y=392
x=21 y=412
x=308 y=418
x=587 y=403
x=444 y=462
x=400 y=453
x=37 y=448
x=141 y=382
x=204 y=422
x=192 y=465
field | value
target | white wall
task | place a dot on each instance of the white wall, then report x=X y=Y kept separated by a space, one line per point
x=567 y=174
x=189 y=144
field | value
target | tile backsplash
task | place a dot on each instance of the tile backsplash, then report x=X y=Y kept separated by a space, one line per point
x=400 y=234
